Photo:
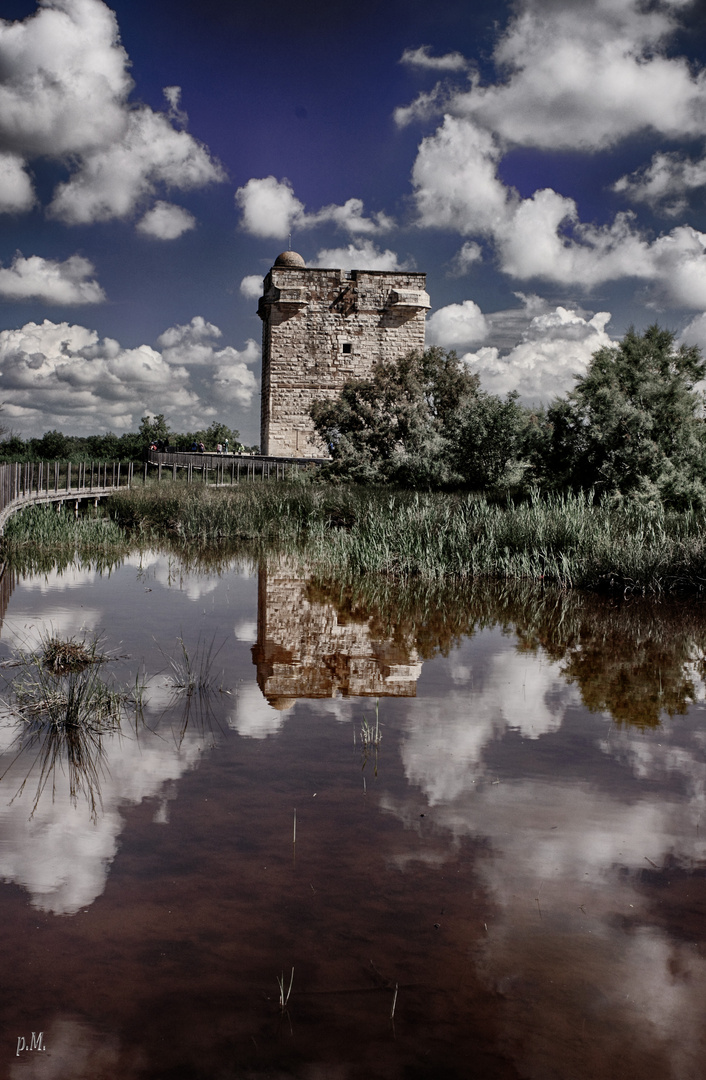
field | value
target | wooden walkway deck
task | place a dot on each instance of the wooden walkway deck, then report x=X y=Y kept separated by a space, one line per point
x=32 y=483
x=36 y=483
x=230 y=468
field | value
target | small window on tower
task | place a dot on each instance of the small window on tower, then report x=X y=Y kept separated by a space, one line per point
x=346 y=347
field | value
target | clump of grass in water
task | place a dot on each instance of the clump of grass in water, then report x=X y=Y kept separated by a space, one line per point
x=195 y=675
x=284 y=996
x=64 y=655
x=370 y=737
x=64 y=710
x=193 y=680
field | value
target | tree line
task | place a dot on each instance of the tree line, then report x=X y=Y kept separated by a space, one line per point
x=55 y=446
x=632 y=427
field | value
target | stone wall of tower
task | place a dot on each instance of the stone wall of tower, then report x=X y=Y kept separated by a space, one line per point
x=321 y=328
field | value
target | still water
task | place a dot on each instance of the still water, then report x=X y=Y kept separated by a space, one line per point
x=509 y=882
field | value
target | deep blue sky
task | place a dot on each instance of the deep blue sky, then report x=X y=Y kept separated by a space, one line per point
x=601 y=107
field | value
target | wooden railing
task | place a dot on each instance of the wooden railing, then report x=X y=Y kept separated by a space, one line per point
x=228 y=468
x=30 y=482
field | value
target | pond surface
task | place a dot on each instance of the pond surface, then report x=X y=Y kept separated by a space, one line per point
x=509 y=882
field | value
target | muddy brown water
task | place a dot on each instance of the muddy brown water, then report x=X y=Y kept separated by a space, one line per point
x=511 y=883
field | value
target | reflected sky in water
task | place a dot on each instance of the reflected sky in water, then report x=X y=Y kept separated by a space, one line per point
x=527 y=866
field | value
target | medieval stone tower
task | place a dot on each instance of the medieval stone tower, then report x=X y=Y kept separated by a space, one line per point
x=321 y=328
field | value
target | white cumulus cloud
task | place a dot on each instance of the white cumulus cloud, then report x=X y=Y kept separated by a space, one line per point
x=361 y=256
x=422 y=58
x=16 y=192
x=554 y=348
x=65 y=94
x=665 y=183
x=570 y=77
x=585 y=76
x=251 y=286
x=165 y=221
x=270 y=209
x=193 y=345
x=457 y=324
x=67 y=282
x=66 y=376
x=541 y=237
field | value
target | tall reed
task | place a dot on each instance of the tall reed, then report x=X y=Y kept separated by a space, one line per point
x=570 y=540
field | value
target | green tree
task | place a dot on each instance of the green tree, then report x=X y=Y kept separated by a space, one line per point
x=632 y=426
x=154 y=428
x=53 y=446
x=421 y=421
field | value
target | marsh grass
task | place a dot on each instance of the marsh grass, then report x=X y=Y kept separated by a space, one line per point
x=43 y=526
x=194 y=683
x=64 y=709
x=284 y=995
x=192 y=674
x=370 y=738
x=571 y=540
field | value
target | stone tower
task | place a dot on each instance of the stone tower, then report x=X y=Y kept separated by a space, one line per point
x=321 y=328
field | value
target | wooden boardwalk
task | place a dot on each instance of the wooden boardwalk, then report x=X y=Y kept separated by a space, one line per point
x=230 y=468
x=36 y=483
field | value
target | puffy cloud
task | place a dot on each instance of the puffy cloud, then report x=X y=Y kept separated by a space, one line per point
x=465 y=258
x=695 y=332
x=349 y=217
x=62 y=375
x=165 y=221
x=570 y=77
x=192 y=345
x=665 y=183
x=64 y=94
x=457 y=324
x=586 y=76
x=555 y=347
x=361 y=255
x=428 y=104
x=65 y=81
x=187 y=343
x=422 y=58
x=53 y=282
x=456 y=183
x=16 y=193
x=111 y=181
x=251 y=286
x=233 y=380
x=458 y=187
x=271 y=209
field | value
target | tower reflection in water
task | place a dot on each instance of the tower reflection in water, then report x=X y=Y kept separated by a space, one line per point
x=307 y=648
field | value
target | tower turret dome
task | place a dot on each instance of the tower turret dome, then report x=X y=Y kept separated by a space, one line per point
x=290 y=258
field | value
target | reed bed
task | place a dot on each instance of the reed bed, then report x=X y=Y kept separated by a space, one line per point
x=42 y=526
x=570 y=540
